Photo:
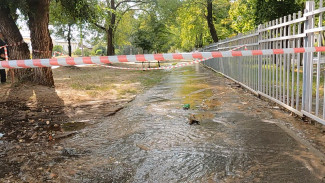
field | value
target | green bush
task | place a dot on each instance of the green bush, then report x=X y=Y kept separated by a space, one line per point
x=58 y=48
x=101 y=47
x=99 y=52
x=77 y=52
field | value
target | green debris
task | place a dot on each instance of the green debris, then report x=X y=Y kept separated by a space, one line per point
x=186 y=106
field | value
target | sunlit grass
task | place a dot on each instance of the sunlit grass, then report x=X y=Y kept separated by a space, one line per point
x=100 y=81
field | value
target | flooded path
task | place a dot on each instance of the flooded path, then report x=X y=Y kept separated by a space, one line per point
x=238 y=139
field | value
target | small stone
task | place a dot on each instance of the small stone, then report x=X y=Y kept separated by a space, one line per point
x=47 y=122
x=34 y=136
x=56 y=125
x=72 y=172
x=52 y=175
x=193 y=120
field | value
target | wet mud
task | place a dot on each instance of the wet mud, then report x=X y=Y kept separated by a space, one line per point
x=239 y=139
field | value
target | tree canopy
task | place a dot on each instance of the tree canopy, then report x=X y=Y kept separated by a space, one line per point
x=154 y=25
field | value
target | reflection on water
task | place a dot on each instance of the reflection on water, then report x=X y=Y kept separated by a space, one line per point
x=151 y=141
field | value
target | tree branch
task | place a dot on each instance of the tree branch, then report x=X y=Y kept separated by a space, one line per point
x=129 y=1
x=99 y=26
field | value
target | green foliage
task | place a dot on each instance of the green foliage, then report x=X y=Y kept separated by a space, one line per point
x=151 y=34
x=125 y=29
x=99 y=49
x=191 y=29
x=77 y=52
x=78 y=10
x=58 y=48
x=143 y=40
x=99 y=52
x=242 y=14
x=86 y=52
x=273 y=9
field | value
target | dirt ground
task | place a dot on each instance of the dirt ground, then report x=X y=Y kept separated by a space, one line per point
x=33 y=118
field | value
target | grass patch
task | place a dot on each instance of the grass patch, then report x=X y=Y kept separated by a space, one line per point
x=100 y=82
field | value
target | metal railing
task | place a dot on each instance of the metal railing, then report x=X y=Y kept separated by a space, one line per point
x=295 y=81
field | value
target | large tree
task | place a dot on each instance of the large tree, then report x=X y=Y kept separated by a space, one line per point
x=109 y=14
x=151 y=34
x=195 y=31
x=12 y=35
x=37 y=13
x=62 y=23
x=68 y=14
x=38 y=21
x=209 y=18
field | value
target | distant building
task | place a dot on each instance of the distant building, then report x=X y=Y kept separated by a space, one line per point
x=63 y=43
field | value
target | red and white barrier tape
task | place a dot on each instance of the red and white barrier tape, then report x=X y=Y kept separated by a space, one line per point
x=239 y=47
x=149 y=57
x=14 y=44
x=156 y=68
x=39 y=51
x=6 y=53
x=6 y=49
x=57 y=52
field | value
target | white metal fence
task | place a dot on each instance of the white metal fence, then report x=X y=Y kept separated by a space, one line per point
x=295 y=81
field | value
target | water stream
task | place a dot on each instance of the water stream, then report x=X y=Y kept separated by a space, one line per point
x=151 y=141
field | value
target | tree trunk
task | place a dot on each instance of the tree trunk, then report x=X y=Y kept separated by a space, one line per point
x=12 y=35
x=40 y=37
x=110 y=45
x=110 y=31
x=209 y=17
x=69 y=39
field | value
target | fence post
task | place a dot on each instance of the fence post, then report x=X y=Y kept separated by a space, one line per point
x=259 y=77
x=306 y=65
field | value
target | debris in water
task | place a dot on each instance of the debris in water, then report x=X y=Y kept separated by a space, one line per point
x=193 y=120
x=70 y=152
x=186 y=106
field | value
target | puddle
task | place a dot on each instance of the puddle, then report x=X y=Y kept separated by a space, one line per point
x=73 y=126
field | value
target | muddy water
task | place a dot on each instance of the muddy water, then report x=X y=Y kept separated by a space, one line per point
x=150 y=140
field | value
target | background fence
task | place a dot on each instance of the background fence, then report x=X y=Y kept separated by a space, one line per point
x=295 y=81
